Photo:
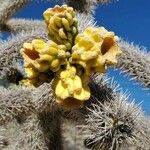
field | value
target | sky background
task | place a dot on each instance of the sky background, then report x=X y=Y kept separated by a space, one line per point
x=129 y=19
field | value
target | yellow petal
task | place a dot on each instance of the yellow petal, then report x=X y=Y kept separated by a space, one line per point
x=38 y=44
x=47 y=15
x=70 y=86
x=45 y=57
x=42 y=66
x=61 y=90
x=28 y=46
x=52 y=24
x=57 y=21
x=77 y=84
x=82 y=95
x=66 y=24
x=52 y=51
x=89 y=55
x=62 y=33
x=55 y=64
x=69 y=18
x=31 y=73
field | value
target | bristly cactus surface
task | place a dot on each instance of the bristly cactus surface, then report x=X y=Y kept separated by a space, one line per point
x=74 y=57
x=61 y=62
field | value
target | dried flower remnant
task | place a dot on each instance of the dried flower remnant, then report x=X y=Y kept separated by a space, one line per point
x=62 y=24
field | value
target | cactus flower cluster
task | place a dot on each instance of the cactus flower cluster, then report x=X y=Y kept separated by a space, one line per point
x=61 y=24
x=72 y=56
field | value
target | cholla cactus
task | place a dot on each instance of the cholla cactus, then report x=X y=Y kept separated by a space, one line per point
x=111 y=124
x=60 y=59
x=114 y=123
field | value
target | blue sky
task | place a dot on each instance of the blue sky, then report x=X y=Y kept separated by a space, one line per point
x=129 y=19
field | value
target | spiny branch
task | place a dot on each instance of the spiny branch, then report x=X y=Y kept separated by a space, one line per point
x=51 y=126
x=19 y=25
x=36 y=132
x=10 y=52
x=98 y=118
x=9 y=8
x=22 y=102
x=85 y=21
x=72 y=137
x=135 y=61
x=30 y=135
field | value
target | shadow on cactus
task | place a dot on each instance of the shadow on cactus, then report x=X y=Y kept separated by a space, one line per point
x=71 y=56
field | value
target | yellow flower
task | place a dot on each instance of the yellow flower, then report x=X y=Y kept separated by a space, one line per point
x=39 y=56
x=69 y=89
x=107 y=41
x=62 y=24
x=95 y=49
